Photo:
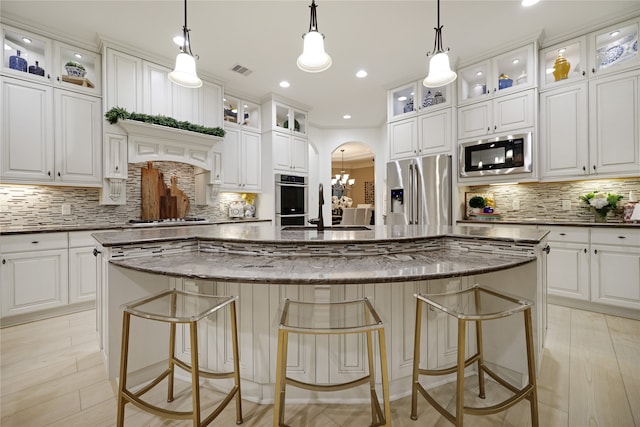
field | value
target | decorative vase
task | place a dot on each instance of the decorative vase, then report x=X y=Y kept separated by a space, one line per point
x=600 y=215
x=561 y=68
x=75 y=71
x=428 y=99
x=438 y=98
x=16 y=62
x=504 y=82
x=36 y=69
x=408 y=106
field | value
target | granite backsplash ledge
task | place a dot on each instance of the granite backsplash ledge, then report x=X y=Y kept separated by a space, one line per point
x=33 y=205
x=545 y=200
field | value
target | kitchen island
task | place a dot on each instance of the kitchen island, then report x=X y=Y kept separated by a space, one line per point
x=265 y=264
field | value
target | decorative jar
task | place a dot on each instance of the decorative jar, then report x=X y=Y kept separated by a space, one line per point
x=504 y=82
x=561 y=68
x=75 y=71
x=36 y=69
x=16 y=62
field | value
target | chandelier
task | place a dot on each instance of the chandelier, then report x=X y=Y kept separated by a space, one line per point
x=342 y=182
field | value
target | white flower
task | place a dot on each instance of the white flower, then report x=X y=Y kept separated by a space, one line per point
x=599 y=201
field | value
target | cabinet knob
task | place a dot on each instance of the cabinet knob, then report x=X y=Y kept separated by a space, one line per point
x=4 y=261
x=35 y=242
x=58 y=78
x=584 y=73
x=96 y=252
x=495 y=127
x=584 y=168
x=48 y=76
x=117 y=168
x=58 y=173
x=593 y=70
x=49 y=173
x=585 y=250
x=594 y=167
x=563 y=234
x=595 y=251
x=547 y=249
x=488 y=128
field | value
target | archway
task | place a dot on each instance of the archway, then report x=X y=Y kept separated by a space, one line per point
x=355 y=159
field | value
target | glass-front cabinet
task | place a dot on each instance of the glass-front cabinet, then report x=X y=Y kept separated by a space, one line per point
x=614 y=48
x=241 y=112
x=505 y=73
x=283 y=116
x=37 y=58
x=563 y=63
x=406 y=100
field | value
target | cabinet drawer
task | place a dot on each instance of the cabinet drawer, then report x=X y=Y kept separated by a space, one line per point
x=80 y=239
x=577 y=235
x=33 y=242
x=618 y=237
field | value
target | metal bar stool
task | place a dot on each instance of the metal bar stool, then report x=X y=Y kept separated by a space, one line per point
x=174 y=307
x=476 y=304
x=343 y=317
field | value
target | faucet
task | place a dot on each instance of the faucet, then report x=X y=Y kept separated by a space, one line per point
x=319 y=221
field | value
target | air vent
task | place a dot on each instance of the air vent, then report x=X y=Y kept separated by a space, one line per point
x=241 y=70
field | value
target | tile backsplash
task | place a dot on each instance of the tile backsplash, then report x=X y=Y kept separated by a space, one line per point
x=545 y=200
x=26 y=205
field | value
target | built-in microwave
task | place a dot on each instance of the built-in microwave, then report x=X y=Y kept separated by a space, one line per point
x=509 y=154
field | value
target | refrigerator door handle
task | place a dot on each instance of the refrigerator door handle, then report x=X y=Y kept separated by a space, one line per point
x=417 y=201
x=410 y=194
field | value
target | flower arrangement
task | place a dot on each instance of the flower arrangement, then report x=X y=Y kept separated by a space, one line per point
x=341 y=203
x=601 y=203
x=249 y=198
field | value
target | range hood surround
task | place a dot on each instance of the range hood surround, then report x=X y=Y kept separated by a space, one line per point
x=149 y=143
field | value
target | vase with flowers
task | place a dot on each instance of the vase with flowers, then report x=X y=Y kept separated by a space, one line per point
x=601 y=203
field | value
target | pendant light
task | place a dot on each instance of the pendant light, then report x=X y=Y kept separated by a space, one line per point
x=185 y=72
x=313 y=59
x=440 y=73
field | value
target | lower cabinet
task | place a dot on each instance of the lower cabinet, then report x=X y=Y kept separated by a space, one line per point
x=34 y=273
x=615 y=267
x=568 y=263
x=46 y=273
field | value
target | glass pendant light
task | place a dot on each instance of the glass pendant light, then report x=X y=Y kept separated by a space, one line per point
x=185 y=72
x=313 y=59
x=440 y=72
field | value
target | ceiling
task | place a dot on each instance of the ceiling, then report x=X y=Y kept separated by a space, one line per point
x=387 y=38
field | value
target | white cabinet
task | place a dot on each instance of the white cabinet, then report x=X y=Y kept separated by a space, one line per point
x=563 y=63
x=564 y=140
x=290 y=153
x=414 y=98
x=508 y=72
x=568 y=262
x=240 y=112
x=428 y=133
x=83 y=267
x=241 y=166
x=498 y=115
x=403 y=138
x=614 y=48
x=287 y=118
x=615 y=267
x=50 y=136
x=157 y=96
x=34 y=272
x=124 y=81
x=614 y=128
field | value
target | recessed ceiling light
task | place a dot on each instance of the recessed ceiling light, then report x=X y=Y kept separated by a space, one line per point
x=550 y=70
x=77 y=55
x=361 y=74
x=515 y=61
x=285 y=84
x=26 y=39
x=527 y=3
x=402 y=98
x=562 y=50
x=346 y=116
x=614 y=33
x=479 y=73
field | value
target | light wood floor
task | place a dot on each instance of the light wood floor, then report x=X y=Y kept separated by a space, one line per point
x=52 y=375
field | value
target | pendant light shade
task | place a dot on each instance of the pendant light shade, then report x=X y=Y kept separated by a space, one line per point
x=313 y=59
x=185 y=72
x=440 y=72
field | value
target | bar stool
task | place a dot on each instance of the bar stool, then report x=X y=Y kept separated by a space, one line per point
x=476 y=304
x=343 y=317
x=174 y=307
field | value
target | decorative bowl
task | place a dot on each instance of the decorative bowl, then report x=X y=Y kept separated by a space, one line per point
x=75 y=71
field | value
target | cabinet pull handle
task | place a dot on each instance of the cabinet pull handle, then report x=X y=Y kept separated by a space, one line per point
x=49 y=173
x=96 y=252
x=48 y=76
x=584 y=72
x=547 y=249
x=488 y=128
x=595 y=251
x=58 y=173
x=563 y=234
x=593 y=70
x=584 y=168
x=117 y=168
x=58 y=78
x=585 y=250
x=495 y=127
x=4 y=261
x=35 y=242
x=594 y=167
x=622 y=237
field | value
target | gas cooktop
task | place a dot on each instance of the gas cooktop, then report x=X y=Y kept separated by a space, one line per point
x=166 y=221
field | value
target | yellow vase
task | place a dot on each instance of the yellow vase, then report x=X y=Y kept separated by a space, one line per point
x=561 y=68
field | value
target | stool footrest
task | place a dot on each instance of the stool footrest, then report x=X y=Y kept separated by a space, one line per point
x=498 y=407
x=450 y=370
x=152 y=384
x=448 y=415
x=155 y=410
x=328 y=387
x=499 y=380
x=202 y=372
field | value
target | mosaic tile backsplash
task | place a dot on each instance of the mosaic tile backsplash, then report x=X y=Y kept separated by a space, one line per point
x=543 y=201
x=28 y=206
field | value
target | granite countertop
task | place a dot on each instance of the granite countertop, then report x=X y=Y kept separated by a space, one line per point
x=254 y=233
x=559 y=223
x=426 y=265
x=55 y=228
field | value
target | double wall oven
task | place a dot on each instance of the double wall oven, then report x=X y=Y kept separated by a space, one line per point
x=291 y=199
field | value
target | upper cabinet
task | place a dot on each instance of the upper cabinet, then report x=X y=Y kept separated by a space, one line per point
x=614 y=48
x=414 y=98
x=563 y=63
x=285 y=118
x=37 y=58
x=239 y=112
x=508 y=72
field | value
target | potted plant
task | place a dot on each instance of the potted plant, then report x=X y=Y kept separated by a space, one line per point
x=477 y=203
x=75 y=69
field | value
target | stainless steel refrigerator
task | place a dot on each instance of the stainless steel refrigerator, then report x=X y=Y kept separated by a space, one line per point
x=419 y=191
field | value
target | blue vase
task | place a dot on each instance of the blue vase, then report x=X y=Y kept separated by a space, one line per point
x=36 y=69
x=504 y=82
x=16 y=62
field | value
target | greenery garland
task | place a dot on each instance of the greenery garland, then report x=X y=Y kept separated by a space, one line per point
x=117 y=113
